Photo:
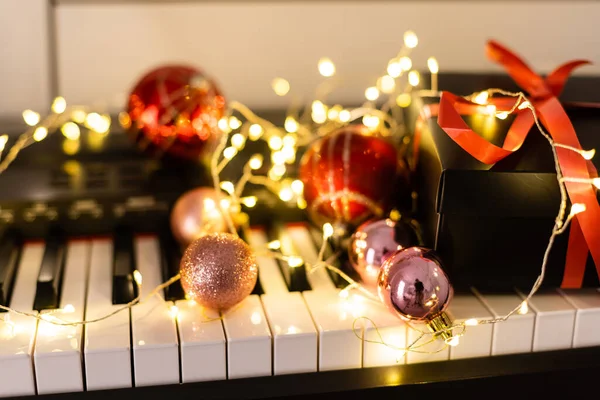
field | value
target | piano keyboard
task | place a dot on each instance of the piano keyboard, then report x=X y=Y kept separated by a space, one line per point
x=288 y=326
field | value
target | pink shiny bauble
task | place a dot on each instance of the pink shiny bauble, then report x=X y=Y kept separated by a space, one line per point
x=197 y=213
x=413 y=285
x=175 y=110
x=373 y=242
x=348 y=176
x=218 y=271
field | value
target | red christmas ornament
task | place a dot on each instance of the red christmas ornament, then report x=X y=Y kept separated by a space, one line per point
x=175 y=110
x=349 y=176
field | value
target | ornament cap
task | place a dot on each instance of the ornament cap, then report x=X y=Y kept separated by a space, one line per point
x=440 y=325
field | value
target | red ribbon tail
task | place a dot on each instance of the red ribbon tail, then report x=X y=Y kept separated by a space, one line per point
x=577 y=255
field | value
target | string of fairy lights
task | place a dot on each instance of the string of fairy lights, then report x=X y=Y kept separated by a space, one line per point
x=394 y=90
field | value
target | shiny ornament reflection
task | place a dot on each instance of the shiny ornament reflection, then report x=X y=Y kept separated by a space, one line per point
x=413 y=285
x=218 y=271
x=348 y=176
x=373 y=242
x=197 y=213
x=175 y=110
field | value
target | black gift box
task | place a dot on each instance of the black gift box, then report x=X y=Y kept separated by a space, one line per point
x=491 y=223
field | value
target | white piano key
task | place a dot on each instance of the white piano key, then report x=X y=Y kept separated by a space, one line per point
x=587 y=317
x=294 y=334
x=270 y=277
x=57 y=352
x=388 y=329
x=300 y=236
x=476 y=340
x=107 y=349
x=248 y=340
x=554 y=321
x=429 y=348
x=515 y=335
x=202 y=343
x=339 y=346
x=17 y=332
x=155 y=345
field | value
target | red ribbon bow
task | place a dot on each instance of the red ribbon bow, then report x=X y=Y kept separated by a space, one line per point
x=585 y=227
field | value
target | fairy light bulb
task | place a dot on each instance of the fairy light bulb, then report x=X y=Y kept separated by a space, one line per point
x=453 y=341
x=227 y=186
x=387 y=84
x=249 y=201
x=524 y=105
x=413 y=78
x=277 y=157
x=59 y=105
x=481 y=98
x=40 y=133
x=286 y=194
x=255 y=131
x=3 y=141
x=588 y=154
x=327 y=230
x=372 y=93
x=410 y=39
x=433 y=65
x=289 y=141
x=234 y=122
x=326 y=67
x=238 y=140
x=275 y=142
x=137 y=277
x=31 y=118
x=173 y=311
x=596 y=182
x=471 y=322
x=274 y=245
x=280 y=86
x=297 y=186
x=405 y=63
x=290 y=125
x=70 y=130
x=69 y=308
x=229 y=152
x=370 y=121
x=256 y=161
x=344 y=116
x=295 y=261
x=524 y=308
x=502 y=115
x=394 y=68
x=223 y=125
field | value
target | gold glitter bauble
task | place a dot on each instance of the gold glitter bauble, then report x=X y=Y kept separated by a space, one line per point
x=218 y=271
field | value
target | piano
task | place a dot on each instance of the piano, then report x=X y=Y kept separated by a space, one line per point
x=76 y=226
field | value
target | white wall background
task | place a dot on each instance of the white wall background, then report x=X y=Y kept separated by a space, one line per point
x=101 y=47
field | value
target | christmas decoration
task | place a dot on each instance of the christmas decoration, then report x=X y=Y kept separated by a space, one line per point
x=373 y=242
x=218 y=271
x=348 y=176
x=413 y=285
x=197 y=213
x=175 y=109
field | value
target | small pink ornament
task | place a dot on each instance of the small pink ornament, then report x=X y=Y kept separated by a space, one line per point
x=413 y=285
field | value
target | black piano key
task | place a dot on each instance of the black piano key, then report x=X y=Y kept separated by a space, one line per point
x=124 y=287
x=47 y=295
x=171 y=254
x=336 y=255
x=295 y=277
x=10 y=251
x=243 y=234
